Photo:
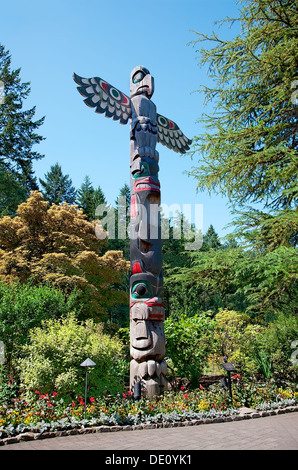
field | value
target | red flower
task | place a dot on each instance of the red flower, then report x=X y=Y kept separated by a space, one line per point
x=124 y=396
x=185 y=395
x=36 y=391
x=50 y=404
x=201 y=387
x=237 y=376
x=182 y=388
x=73 y=404
x=92 y=399
x=81 y=401
x=54 y=394
x=129 y=392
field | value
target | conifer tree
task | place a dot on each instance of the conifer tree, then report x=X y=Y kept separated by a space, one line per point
x=248 y=151
x=58 y=188
x=89 y=198
x=211 y=239
x=18 y=135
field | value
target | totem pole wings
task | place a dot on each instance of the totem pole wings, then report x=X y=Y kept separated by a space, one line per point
x=108 y=100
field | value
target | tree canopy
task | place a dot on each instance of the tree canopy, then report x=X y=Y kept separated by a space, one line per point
x=18 y=135
x=58 y=188
x=56 y=244
x=248 y=151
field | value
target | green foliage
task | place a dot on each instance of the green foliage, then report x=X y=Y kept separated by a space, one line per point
x=58 y=188
x=12 y=192
x=57 y=245
x=89 y=198
x=274 y=344
x=189 y=344
x=260 y=284
x=268 y=281
x=235 y=338
x=23 y=307
x=122 y=219
x=249 y=148
x=51 y=362
x=18 y=134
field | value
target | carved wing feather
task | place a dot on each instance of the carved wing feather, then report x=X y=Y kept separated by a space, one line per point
x=170 y=135
x=104 y=98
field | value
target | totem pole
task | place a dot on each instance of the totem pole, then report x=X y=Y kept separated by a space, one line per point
x=147 y=339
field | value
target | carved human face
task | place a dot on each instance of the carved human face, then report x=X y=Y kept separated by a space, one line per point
x=141 y=82
x=146 y=324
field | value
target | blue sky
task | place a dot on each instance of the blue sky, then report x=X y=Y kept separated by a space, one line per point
x=49 y=40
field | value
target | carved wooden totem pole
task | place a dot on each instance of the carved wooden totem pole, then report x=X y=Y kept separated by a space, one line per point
x=147 y=339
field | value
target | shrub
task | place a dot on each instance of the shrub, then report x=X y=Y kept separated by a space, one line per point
x=23 y=307
x=235 y=338
x=275 y=344
x=189 y=343
x=51 y=362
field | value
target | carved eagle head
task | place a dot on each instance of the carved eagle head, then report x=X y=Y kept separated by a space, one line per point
x=141 y=82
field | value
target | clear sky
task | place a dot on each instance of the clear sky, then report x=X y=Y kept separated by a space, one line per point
x=49 y=40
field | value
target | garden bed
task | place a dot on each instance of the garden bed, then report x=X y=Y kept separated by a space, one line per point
x=47 y=415
x=47 y=431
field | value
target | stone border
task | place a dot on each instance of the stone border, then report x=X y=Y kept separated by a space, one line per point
x=244 y=414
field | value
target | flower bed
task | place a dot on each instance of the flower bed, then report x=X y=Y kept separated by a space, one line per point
x=44 y=413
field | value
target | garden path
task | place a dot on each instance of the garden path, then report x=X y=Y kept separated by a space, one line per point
x=278 y=432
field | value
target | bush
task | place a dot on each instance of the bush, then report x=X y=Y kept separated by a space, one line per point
x=275 y=345
x=23 y=307
x=51 y=362
x=189 y=344
x=235 y=338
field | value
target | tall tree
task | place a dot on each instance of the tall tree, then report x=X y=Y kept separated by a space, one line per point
x=211 y=239
x=58 y=188
x=249 y=148
x=18 y=135
x=89 y=198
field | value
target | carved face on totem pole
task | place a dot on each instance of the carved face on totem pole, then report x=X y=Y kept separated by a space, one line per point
x=147 y=341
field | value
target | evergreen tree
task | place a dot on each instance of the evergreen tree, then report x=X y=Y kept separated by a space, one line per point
x=12 y=192
x=18 y=134
x=211 y=239
x=89 y=198
x=99 y=197
x=122 y=219
x=249 y=148
x=58 y=188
